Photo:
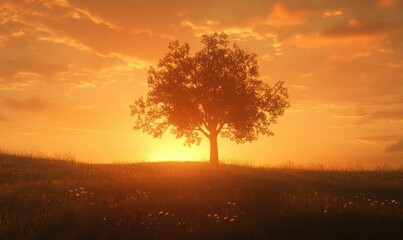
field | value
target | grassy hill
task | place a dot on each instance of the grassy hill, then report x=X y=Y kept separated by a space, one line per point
x=51 y=199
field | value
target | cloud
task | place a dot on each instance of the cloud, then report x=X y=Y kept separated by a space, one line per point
x=68 y=132
x=3 y=118
x=79 y=27
x=388 y=115
x=332 y=13
x=28 y=105
x=280 y=15
x=394 y=64
x=387 y=3
x=378 y=139
x=356 y=28
x=11 y=68
x=104 y=40
x=395 y=148
x=348 y=40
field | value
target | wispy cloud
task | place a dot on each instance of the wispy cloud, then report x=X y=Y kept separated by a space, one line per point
x=395 y=148
x=388 y=115
x=378 y=139
x=3 y=118
x=10 y=69
x=332 y=13
x=28 y=105
x=387 y=3
x=281 y=15
x=356 y=28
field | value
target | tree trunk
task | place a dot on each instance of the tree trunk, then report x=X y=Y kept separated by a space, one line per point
x=213 y=149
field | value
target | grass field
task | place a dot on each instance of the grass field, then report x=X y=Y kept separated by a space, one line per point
x=51 y=199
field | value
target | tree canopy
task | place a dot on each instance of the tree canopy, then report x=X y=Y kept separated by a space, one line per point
x=214 y=92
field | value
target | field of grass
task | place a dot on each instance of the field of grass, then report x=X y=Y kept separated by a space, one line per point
x=51 y=199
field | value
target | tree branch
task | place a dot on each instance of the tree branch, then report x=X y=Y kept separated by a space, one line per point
x=204 y=132
x=220 y=128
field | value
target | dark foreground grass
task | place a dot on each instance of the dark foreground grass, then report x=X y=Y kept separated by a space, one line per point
x=47 y=199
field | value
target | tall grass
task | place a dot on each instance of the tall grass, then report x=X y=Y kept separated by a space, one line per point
x=51 y=199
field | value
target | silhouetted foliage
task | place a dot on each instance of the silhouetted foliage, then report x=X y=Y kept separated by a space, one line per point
x=215 y=91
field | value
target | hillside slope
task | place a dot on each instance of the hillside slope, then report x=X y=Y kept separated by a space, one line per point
x=50 y=199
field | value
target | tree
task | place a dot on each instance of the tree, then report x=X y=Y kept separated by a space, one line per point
x=215 y=91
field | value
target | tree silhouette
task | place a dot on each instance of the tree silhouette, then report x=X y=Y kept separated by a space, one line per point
x=213 y=92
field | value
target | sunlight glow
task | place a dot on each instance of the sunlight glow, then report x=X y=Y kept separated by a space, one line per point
x=171 y=149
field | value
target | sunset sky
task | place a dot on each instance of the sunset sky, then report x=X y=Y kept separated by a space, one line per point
x=69 y=69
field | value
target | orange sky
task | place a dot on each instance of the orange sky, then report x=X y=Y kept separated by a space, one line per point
x=69 y=69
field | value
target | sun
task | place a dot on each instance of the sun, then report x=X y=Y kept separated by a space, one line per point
x=174 y=150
